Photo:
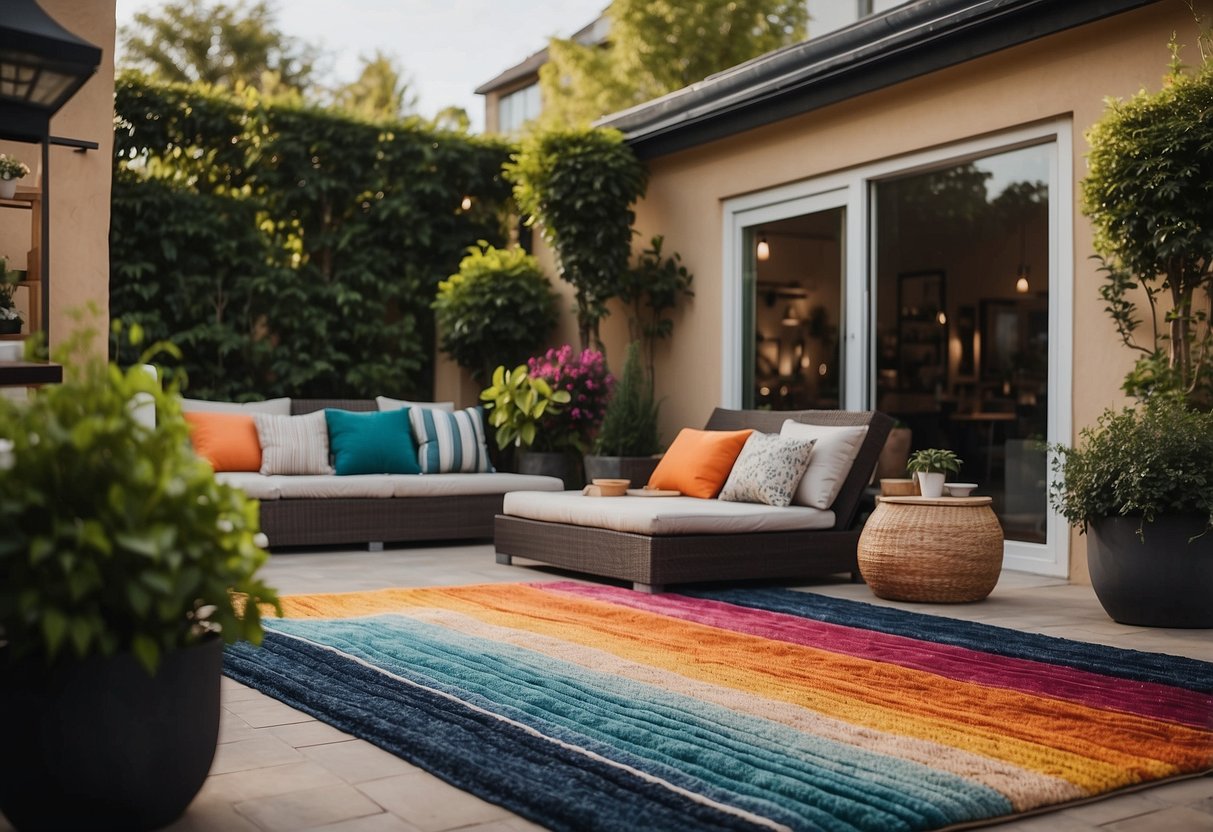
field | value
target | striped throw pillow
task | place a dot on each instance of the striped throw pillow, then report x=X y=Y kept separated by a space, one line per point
x=294 y=444
x=450 y=443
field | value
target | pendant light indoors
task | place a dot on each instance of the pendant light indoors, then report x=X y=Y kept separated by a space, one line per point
x=763 y=251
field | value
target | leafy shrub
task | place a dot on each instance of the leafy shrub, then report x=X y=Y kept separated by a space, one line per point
x=1143 y=462
x=498 y=309
x=518 y=403
x=629 y=427
x=583 y=375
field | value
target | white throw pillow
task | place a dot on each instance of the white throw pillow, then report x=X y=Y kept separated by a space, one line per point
x=398 y=404
x=834 y=452
x=767 y=470
x=293 y=444
x=276 y=407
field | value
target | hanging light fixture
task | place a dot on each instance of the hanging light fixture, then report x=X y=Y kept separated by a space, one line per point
x=42 y=65
x=763 y=251
x=1021 y=282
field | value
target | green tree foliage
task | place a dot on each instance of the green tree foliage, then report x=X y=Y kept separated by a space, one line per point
x=286 y=250
x=228 y=45
x=579 y=185
x=498 y=308
x=650 y=289
x=659 y=47
x=381 y=91
x=1148 y=195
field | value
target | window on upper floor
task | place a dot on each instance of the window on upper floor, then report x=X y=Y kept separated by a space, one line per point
x=517 y=108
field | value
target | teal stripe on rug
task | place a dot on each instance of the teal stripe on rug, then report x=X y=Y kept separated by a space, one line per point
x=746 y=761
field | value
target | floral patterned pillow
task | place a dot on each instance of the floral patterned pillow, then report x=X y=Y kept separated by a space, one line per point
x=768 y=469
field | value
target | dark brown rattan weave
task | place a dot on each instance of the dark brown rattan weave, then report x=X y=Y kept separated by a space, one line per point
x=651 y=562
x=343 y=521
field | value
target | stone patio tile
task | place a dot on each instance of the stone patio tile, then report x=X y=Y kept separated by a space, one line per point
x=232 y=691
x=429 y=803
x=233 y=728
x=211 y=814
x=263 y=712
x=1049 y=822
x=1173 y=819
x=1185 y=791
x=382 y=822
x=258 y=752
x=1108 y=811
x=307 y=809
x=357 y=761
x=303 y=734
x=238 y=786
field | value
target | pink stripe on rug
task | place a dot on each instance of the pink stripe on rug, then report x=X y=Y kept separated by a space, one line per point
x=1149 y=699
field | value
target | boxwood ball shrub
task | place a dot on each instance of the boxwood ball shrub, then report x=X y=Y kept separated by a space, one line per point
x=496 y=310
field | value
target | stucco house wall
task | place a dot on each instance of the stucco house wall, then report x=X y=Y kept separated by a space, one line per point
x=1066 y=75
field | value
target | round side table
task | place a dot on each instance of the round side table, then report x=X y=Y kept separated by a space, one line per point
x=942 y=550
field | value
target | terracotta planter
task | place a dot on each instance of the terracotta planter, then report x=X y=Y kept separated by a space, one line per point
x=1161 y=581
x=99 y=744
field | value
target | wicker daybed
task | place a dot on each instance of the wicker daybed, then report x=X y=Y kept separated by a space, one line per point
x=652 y=561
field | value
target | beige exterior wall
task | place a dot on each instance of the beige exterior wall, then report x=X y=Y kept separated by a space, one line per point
x=1063 y=76
x=79 y=182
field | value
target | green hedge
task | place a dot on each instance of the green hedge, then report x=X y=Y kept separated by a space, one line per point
x=290 y=251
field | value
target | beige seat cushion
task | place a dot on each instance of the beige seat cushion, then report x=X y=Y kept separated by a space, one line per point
x=663 y=515
x=257 y=486
x=379 y=486
x=453 y=485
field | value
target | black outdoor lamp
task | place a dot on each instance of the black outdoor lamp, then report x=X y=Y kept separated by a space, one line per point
x=42 y=65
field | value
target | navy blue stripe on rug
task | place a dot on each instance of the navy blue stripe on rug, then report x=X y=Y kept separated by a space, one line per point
x=1118 y=662
x=468 y=748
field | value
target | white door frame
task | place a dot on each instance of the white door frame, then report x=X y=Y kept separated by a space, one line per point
x=852 y=190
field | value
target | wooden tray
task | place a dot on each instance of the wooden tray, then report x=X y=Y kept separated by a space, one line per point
x=653 y=492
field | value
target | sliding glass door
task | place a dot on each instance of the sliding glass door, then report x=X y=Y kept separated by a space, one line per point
x=934 y=287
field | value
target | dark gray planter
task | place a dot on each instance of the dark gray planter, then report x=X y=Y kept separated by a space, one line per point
x=99 y=744
x=638 y=469
x=1163 y=581
x=557 y=464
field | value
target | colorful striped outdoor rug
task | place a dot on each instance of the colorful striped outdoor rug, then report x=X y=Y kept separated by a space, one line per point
x=588 y=707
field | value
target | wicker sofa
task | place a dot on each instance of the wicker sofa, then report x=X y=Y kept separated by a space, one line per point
x=395 y=509
x=652 y=561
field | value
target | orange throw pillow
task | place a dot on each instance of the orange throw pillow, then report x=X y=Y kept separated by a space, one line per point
x=699 y=461
x=228 y=441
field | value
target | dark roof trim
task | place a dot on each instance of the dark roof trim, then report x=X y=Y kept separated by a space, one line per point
x=877 y=52
x=589 y=34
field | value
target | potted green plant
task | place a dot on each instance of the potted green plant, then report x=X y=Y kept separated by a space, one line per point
x=10 y=316
x=517 y=404
x=126 y=567
x=11 y=169
x=1139 y=486
x=625 y=445
x=497 y=309
x=930 y=467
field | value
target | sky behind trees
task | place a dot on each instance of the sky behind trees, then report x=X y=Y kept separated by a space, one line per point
x=446 y=47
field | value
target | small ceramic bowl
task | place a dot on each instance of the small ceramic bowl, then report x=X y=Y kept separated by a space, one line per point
x=960 y=489
x=612 y=488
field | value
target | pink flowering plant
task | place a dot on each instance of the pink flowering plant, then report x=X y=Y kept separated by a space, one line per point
x=585 y=378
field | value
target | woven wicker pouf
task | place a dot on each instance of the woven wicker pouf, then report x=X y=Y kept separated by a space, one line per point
x=944 y=550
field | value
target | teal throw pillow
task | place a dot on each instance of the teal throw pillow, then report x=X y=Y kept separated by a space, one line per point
x=371 y=443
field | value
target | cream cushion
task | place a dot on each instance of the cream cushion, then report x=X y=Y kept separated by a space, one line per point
x=275 y=407
x=293 y=444
x=663 y=515
x=384 y=403
x=261 y=487
x=834 y=450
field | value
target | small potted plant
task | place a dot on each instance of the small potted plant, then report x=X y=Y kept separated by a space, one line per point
x=517 y=404
x=625 y=446
x=126 y=567
x=930 y=467
x=11 y=169
x=10 y=317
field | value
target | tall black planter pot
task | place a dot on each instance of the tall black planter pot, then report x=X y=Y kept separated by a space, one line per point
x=99 y=744
x=1163 y=581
